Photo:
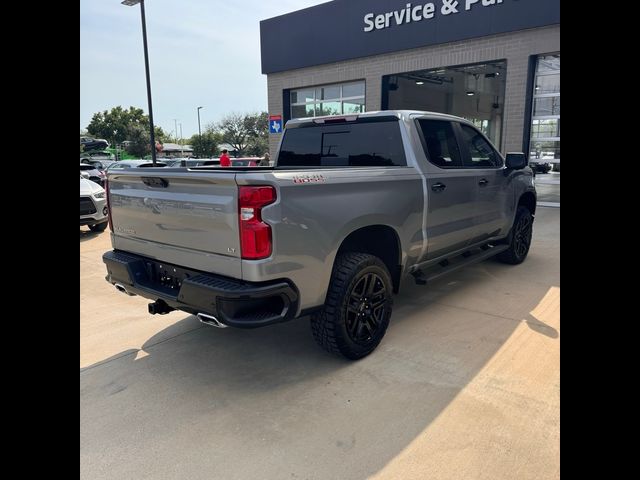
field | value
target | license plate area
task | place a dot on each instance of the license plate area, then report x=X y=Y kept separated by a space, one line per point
x=167 y=277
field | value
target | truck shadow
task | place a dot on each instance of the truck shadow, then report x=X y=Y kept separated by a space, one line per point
x=264 y=402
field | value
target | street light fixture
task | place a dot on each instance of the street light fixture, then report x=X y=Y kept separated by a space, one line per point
x=131 y=3
x=199 y=132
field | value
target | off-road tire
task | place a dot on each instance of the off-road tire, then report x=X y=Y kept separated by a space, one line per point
x=519 y=238
x=358 y=306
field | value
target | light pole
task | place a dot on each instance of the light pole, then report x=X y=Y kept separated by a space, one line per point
x=131 y=3
x=199 y=132
x=175 y=127
x=181 y=149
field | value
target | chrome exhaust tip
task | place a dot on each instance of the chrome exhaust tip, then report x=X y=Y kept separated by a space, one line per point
x=210 y=320
x=121 y=288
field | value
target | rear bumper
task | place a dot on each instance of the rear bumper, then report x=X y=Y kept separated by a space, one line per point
x=235 y=303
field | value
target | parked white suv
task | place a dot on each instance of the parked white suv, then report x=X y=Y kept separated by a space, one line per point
x=93 y=205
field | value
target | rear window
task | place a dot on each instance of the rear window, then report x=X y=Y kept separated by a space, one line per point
x=368 y=142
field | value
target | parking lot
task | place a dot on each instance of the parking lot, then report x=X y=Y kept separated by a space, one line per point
x=465 y=384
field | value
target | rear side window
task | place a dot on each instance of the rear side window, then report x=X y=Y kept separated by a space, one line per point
x=439 y=143
x=372 y=142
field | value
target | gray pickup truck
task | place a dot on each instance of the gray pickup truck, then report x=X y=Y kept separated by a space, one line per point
x=352 y=204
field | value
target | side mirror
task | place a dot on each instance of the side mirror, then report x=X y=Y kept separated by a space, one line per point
x=516 y=161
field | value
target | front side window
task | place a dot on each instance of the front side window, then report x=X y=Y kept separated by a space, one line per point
x=480 y=154
x=372 y=142
x=336 y=99
x=439 y=143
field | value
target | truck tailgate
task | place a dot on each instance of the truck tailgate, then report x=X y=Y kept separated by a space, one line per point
x=187 y=218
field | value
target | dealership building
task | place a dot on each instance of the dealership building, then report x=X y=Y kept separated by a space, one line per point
x=493 y=62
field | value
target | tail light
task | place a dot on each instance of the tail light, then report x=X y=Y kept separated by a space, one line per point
x=106 y=189
x=255 y=235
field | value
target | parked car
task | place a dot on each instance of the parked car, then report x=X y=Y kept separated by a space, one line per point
x=125 y=164
x=245 y=162
x=171 y=162
x=93 y=205
x=98 y=164
x=93 y=143
x=358 y=203
x=97 y=155
x=190 y=162
x=95 y=175
x=540 y=167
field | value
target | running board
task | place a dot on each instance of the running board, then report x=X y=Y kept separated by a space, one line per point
x=455 y=263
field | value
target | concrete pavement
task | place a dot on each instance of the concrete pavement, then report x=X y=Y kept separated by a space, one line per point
x=548 y=188
x=464 y=385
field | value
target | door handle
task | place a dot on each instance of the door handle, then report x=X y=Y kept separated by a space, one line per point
x=483 y=182
x=438 y=187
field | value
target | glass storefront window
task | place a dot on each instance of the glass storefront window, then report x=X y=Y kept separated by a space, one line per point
x=545 y=128
x=351 y=107
x=544 y=150
x=353 y=90
x=545 y=123
x=547 y=84
x=301 y=111
x=546 y=106
x=549 y=64
x=330 y=108
x=328 y=93
x=474 y=91
x=333 y=99
x=302 y=96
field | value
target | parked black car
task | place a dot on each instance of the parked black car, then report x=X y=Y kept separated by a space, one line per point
x=93 y=143
x=542 y=167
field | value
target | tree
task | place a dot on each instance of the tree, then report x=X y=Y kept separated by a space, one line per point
x=234 y=131
x=140 y=144
x=115 y=125
x=258 y=127
x=160 y=135
x=206 y=146
x=245 y=132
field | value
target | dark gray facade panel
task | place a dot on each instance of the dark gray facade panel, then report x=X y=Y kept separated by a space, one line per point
x=334 y=31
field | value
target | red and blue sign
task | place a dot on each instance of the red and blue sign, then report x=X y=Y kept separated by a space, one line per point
x=275 y=123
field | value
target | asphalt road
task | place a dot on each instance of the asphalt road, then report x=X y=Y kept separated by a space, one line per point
x=465 y=385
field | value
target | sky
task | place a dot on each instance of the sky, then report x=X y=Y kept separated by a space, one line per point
x=201 y=53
